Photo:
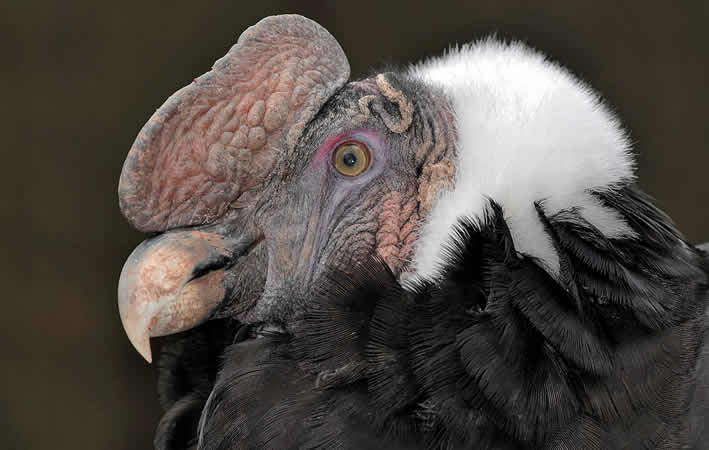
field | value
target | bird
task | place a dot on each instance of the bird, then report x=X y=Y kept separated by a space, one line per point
x=452 y=254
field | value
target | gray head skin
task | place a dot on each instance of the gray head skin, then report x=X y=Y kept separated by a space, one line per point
x=238 y=172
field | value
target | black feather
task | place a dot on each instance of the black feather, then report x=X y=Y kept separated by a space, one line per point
x=496 y=353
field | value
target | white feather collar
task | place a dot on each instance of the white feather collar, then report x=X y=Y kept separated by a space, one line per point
x=528 y=131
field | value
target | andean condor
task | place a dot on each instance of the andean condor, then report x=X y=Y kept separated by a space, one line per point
x=453 y=255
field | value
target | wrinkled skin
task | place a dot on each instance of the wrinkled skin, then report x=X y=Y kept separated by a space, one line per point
x=313 y=218
x=251 y=166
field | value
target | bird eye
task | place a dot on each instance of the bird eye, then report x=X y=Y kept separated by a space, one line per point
x=351 y=158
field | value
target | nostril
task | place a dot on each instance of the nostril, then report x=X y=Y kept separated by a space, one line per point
x=240 y=247
x=220 y=261
x=253 y=244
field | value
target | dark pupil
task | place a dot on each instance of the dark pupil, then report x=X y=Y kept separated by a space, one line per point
x=350 y=159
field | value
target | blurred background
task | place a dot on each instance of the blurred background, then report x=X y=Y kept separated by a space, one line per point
x=79 y=79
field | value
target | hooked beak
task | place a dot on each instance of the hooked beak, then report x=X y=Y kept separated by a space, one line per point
x=173 y=282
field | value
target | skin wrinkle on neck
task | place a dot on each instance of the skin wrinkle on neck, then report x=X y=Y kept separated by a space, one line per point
x=364 y=105
x=393 y=95
x=437 y=152
x=388 y=224
x=396 y=96
x=398 y=218
x=395 y=235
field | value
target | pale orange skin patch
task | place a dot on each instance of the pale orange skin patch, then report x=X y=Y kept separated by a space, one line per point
x=396 y=235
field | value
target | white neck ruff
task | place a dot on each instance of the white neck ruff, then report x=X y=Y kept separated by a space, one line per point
x=528 y=131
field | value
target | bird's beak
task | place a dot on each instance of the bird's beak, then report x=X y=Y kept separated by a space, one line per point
x=173 y=282
x=207 y=151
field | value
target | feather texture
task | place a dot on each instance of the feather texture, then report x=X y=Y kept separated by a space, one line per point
x=528 y=131
x=495 y=353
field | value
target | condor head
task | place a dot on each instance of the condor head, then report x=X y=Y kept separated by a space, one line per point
x=269 y=170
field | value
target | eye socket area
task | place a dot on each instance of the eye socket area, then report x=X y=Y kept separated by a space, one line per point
x=351 y=158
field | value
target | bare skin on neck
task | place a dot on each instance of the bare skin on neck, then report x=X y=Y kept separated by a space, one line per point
x=400 y=213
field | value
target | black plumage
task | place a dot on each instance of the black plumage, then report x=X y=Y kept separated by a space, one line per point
x=496 y=353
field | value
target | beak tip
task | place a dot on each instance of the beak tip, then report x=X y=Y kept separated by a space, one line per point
x=157 y=291
x=136 y=328
x=142 y=344
x=146 y=354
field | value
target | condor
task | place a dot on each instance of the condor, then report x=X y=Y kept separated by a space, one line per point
x=454 y=255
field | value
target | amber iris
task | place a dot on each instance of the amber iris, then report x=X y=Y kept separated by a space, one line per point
x=351 y=158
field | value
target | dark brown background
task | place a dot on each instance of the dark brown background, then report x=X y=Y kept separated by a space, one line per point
x=79 y=79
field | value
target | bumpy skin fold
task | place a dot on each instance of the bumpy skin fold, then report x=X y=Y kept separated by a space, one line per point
x=497 y=354
x=219 y=137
